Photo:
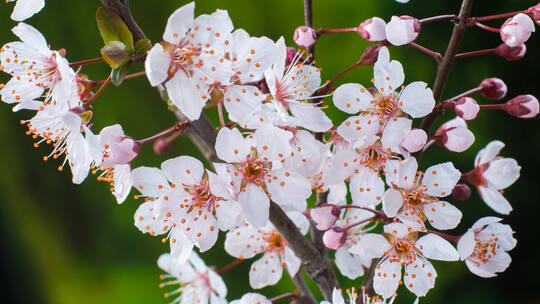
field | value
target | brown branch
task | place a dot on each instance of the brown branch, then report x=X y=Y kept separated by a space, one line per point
x=443 y=71
x=306 y=297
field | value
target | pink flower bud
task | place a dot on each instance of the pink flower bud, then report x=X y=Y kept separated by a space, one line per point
x=511 y=53
x=493 y=88
x=370 y=55
x=522 y=106
x=517 y=30
x=334 y=238
x=402 y=30
x=454 y=135
x=305 y=36
x=325 y=216
x=162 y=146
x=118 y=148
x=534 y=13
x=467 y=108
x=461 y=192
x=414 y=141
x=373 y=29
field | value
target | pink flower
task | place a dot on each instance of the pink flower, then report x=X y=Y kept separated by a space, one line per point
x=511 y=53
x=334 y=238
x=493 y=88
x=325 y=216
x=467 y=108
x=484 y=247
x=305 y=36
x=522 y=106
x=247 y=241
x=454 y=135
x=493 y=173
x=517 y=30
x=373 y=29
x=402 y=30
x=414 y=141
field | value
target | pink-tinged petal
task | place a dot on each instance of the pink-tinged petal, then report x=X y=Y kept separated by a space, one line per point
x=495 y=200
x=489 y=152
x=291 y=261
x=388 y=74
x=157 y=65
x=442 y=215
x=266 y=271
x=273 y=143
x=392 y=202
x=78 y=156
x=183 y=170
x=255 y=205
x=436 y=248
x=31 y=36
x=441 y=179
x=502 y=172
x=362 y=127
x=386 y=278
x=395 y=131
x=481 y=223
x=310 y=117
x=188 y=94
x=244 y=242
x=334 y=238
x=466 y=244
x=325 y=217
x=420 y=277
x=179 y=23
x=218 y=286
x=289 y=188
x=459 y=139
x=373 y=29
x=122 y=182
x=231 y=146
x=149 y=181
x=479 y=271
x=148 y=223
x=25 y=9
x=371 y=246
x=278 y=67
x=352 y=98
x=417 y=99
x=517 y=30
x=253 y=57
x=366 y=187
x=414 y=141
x=242 y=102
x=349 y=265
x=402 y=30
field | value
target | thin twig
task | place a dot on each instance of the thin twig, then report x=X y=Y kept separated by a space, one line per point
x=305 y=293
x=87 y=61
x=230 y=266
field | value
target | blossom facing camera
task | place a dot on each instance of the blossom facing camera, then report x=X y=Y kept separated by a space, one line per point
x=467 y=108
x=522 y=106
x=493 y=88
x=517 y=30
x=402 y=30
x=511 y=53
x=305 y=36
x=373 y=29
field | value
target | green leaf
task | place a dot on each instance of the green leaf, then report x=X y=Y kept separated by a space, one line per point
x=142 y=47
x=115 y=53
x=112 y=28
x=118 y=74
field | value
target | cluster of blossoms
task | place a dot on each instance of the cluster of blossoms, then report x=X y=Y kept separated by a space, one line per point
x=279 y=147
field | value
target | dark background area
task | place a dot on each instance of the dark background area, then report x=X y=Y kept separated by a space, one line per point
x=65 y=243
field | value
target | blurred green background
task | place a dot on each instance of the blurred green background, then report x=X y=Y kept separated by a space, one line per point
x=63 y=243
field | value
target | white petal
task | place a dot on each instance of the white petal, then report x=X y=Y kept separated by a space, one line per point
x=179 y=23
x=148 y=223
x=417 y=100
x=291 y=261
x=289 y=188
x=388 y=74
x=442 y=215
x=441 y=179
x=25 y=9
x=299 y=219
x=362 y=127
x=482 y=222
x=265 y=271
x=311 y=117
x=352 y=98
x=466 y=244
x=273 y=143
x=217 y=284
x=228 y=214
x=495 y=200
x=244 y=242
x=188 y=94
x=279 y=63
x=183 y=170
x=242 y=102
x=253 y=57
x=395 y=131
x=231 y=146
x=502 y=172
x=366 y=187
x=255 y=205
x=392 y=202
x=386 y=278
x=148 y=180
x=371 y=245
x=420 y=277
x=349 y=265
x=157 y=65
x=489 y=152
x=122 y=182
x=478 y=271
x=436 y=248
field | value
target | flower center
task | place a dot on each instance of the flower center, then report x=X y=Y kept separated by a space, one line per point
x=274 y=241
x=485 y=250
